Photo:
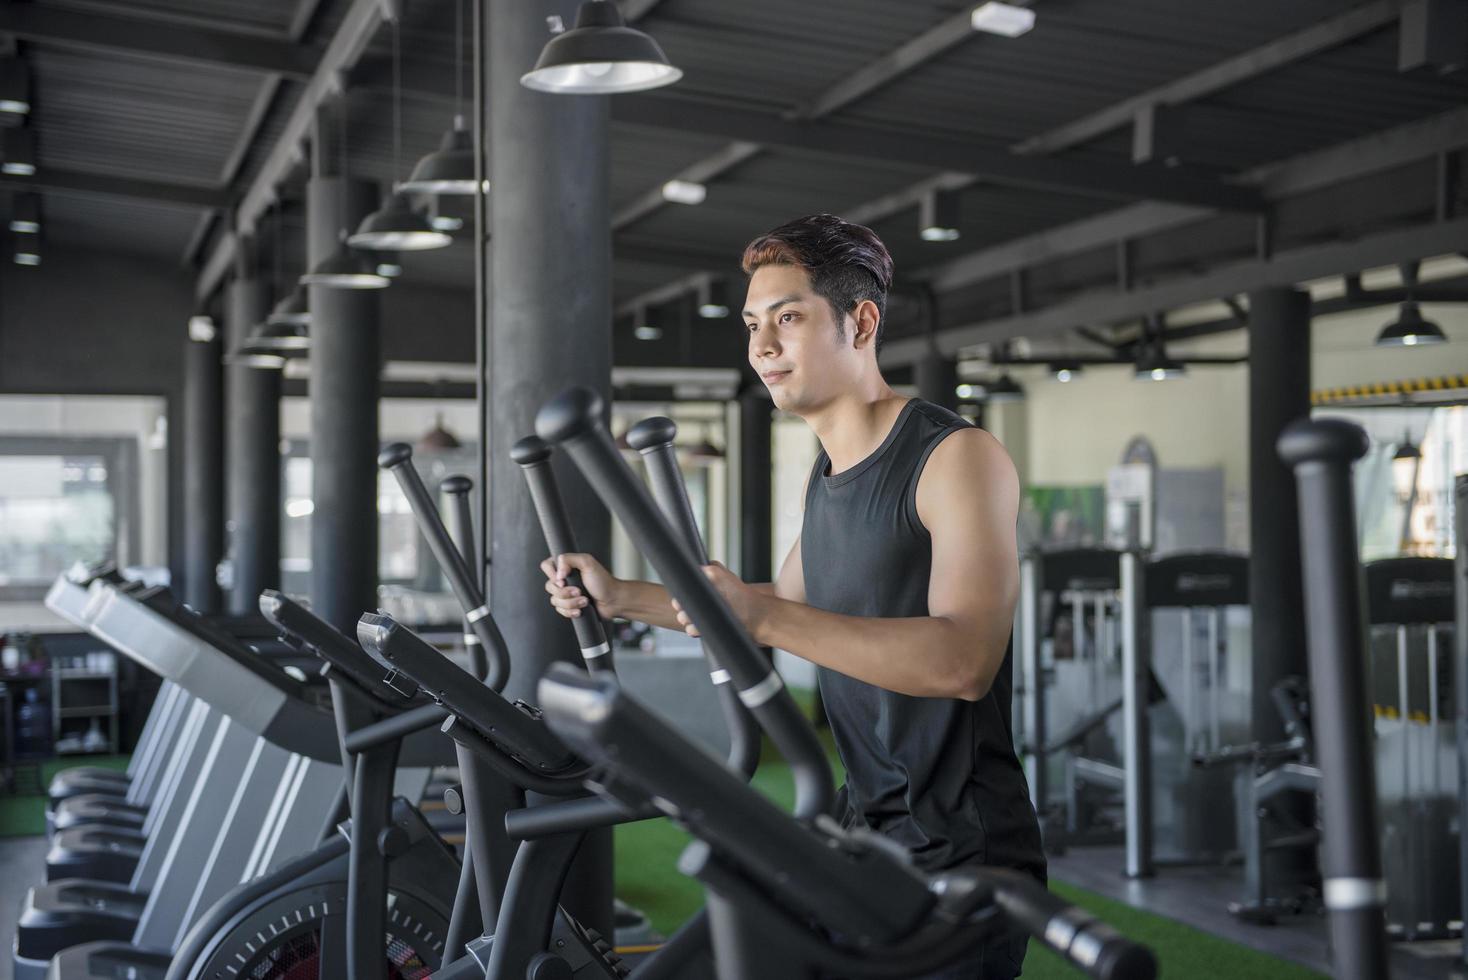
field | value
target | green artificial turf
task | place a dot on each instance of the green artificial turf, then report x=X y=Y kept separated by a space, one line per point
x=24 y=813
x=647 y=878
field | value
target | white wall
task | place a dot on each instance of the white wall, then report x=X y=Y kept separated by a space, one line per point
x=1072 y=433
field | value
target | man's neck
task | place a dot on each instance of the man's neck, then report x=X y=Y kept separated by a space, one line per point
x=852 y=426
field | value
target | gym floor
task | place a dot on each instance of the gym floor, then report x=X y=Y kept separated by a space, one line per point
x=1198 y=897
x=22 y=862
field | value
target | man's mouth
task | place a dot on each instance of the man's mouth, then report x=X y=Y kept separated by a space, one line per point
x=772 y=377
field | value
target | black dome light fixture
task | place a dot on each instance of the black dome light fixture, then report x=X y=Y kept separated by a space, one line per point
x=437 y=439
x=283 y=339
x=1065 y=371
x=1410 y=328
x=601 y=55
x=450 y=168
x=346 y=269
x=397 y=226
x=1004 y=390
x=1153 y=364
x=291 y=309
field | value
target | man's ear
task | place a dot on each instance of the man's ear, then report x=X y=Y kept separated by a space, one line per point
x=865 y=320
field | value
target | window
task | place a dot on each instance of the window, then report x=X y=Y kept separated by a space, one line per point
x=61 y=501
x=403 y=557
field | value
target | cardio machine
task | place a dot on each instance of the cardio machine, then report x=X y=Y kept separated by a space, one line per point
x=787 y=896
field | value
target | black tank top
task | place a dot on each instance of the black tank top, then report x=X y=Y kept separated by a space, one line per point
x=937 y=775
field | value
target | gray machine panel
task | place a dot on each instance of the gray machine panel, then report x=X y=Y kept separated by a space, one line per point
x=274 y=708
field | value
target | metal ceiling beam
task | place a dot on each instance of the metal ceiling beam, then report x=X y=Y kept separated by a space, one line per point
x=1404 y=144
x=1092 y=178
x=1277 y=54
x=700 y=172
x=357 y=28
x=103 y=185
x=1135 y=221
x=301 y=19
x=881 y=208
x=1284 y=268
x=1390 y=148
x=894 y=64
x=96 y=31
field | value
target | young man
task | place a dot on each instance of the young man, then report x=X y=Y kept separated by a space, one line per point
x=902 y=585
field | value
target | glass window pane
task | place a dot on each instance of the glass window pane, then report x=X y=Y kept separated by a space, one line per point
x=54 y=511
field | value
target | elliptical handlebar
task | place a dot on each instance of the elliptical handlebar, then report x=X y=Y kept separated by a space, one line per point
x=397 y=459
x=574 y=419
x=1321 y=453
x=533 y=456
x=458 y=486
x=653 y=439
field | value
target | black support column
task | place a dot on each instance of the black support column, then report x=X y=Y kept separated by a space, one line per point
x=1279 y=393
x=549 y=327
x=937 y=380
x=756 y=465
x=345 y=361
x=203 y=455
x=252 y=441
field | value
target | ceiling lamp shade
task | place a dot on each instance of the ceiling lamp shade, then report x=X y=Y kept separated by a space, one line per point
x=1004 y=389
x=1410 y=329
x=346 y=269
x=448 y=169
x=291 y=310
x=938 y=216
x=20 y=153
x=281 y=339
x=1065 y=371
x=1407 y=449
x=25 y=216
x=713 y=299
x=437 y=439
x=15 y=87
x=397 y=227
x=601 y=55
x=1153 y=364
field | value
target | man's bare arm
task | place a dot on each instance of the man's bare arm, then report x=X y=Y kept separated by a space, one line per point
x=968 y=499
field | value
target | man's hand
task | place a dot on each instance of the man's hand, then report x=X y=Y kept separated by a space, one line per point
x=750 y=605
x=596 y=581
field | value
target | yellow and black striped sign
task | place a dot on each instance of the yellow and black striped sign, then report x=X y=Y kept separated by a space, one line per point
x=1386 y=389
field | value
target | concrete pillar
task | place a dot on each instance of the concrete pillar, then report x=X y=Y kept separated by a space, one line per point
x=345 y=361
x=252 y=455
x=756 y=466
x=203 y=458
x=937 y=380
x=1279 y=393
x=551 y=315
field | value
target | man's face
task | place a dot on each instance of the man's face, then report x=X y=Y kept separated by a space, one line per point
x=794 y=344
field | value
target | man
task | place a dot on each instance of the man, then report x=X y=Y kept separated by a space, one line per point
x=902 y=585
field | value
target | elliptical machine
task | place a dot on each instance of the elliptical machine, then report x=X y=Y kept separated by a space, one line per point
x=787 y=896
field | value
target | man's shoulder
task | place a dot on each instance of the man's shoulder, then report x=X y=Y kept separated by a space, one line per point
x=968 y=460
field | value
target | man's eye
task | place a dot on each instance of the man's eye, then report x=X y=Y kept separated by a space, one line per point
x=752 y=327
x=786 y=317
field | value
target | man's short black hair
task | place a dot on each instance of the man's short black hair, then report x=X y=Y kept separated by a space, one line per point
x=846 y=262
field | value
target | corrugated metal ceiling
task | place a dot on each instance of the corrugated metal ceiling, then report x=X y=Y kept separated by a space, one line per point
x=123 y=115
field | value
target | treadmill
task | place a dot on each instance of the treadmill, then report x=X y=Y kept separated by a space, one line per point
x=253 y=779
